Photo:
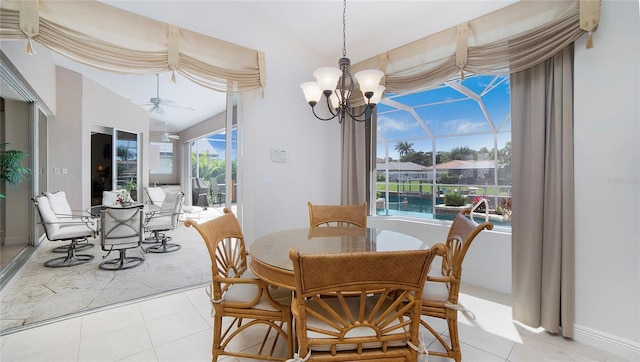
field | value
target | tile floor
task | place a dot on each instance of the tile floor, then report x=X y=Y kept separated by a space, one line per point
x=38 y=293
x=177 y=327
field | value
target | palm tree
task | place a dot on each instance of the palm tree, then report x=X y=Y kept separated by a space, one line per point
x=404 y=147
x=12 y=171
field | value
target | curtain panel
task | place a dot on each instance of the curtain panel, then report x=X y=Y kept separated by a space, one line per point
x=354 y=158
x=114 y=40
x=543 y=224
x=508 y=40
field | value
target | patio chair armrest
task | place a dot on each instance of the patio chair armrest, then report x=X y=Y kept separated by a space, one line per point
x=441 y=279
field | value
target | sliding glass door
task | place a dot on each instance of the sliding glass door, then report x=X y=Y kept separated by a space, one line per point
x=126 y=162
x=112 y=168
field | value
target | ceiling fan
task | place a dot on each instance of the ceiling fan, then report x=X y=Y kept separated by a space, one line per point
x=157 y=103
x=166 y=137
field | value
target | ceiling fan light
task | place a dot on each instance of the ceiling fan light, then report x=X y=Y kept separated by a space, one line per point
x=327 y=77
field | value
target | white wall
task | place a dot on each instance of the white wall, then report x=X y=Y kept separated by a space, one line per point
x=607 y=170
x=490 y=248
x=38 y=71
x=65 y=140
x=282 y=120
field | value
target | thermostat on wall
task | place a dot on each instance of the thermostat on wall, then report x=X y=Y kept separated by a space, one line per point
x=278 y=155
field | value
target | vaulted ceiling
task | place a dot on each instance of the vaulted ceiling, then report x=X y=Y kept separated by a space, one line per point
x=313 y=26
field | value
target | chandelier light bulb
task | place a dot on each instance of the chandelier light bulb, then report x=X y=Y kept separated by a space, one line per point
x=327 y=78
x=312 y=92
x=369 y=80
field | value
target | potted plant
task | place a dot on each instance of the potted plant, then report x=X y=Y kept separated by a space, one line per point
x=11 y=169
x=124 y=197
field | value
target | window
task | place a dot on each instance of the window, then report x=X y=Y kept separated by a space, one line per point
x=209 y=162
x=466 y=124
x=163 y=165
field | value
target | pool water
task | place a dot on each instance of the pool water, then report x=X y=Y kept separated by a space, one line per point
x=421 y=208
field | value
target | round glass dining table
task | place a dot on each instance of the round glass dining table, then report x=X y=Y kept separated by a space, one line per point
x=269 y=255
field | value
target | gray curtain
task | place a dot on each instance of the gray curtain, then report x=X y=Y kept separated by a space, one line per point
x=354 y=156
x=543 y=194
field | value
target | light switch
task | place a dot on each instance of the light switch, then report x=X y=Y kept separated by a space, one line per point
x=267 y=178
x=56 y=170
x=64 y=171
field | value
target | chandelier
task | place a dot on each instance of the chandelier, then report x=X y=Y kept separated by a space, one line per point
x=337 y=84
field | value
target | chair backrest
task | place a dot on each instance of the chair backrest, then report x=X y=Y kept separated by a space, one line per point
x=225 y=242
x=337 y=215
x=215 y=188
x=461 y=234
x=47 y=216
x=172 y=206
x=155 y=195
x=376 y=291
x=59 y=204
x=109 y=197
x=121 y=227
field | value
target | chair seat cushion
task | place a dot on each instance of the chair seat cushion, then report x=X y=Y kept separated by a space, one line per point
x=72 y=231
x=159 y=223
x=247 y=292
x=353 y=303
x=435 y=291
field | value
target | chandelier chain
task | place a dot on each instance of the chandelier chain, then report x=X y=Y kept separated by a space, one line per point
x=344 y=28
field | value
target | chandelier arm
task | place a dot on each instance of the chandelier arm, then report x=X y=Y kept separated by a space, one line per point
x=313 y=109
x=355 y=116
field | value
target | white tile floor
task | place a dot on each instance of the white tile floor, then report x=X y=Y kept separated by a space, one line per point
x=177 y=327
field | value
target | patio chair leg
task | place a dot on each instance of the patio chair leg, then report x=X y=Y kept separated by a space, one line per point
x=71 y=259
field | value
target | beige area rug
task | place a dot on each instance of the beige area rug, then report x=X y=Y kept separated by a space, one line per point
x=40 y=294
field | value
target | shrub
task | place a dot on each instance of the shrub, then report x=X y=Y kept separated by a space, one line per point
x=449 y=178
x=455 y=198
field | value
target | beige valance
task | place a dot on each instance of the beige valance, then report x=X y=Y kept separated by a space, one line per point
x=508 y=40
x=114 y=40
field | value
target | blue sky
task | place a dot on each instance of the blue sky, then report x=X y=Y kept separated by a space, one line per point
x=454 y=118
x=218 y=142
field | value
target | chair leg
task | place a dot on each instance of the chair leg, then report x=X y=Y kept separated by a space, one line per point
x=82 y=244
x=455 y=351
x=154 y=238
x=122 y=262
x=217 y=336
x=162 y=244
x=71 y=259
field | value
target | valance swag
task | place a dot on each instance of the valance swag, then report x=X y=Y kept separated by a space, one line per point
x=508 y=40
x=114 y=40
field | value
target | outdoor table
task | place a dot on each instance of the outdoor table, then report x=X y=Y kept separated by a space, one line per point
x=269 y=255
x=148 y=209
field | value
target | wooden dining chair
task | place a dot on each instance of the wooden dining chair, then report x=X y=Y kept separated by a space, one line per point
x=239 y=294
x=359 y=306
x=440 y=295
x=337 y=215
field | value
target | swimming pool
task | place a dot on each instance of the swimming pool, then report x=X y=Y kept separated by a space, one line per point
x=420 y=207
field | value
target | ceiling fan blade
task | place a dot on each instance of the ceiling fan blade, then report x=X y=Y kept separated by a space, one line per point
x=156 y=109
x=156 y=100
